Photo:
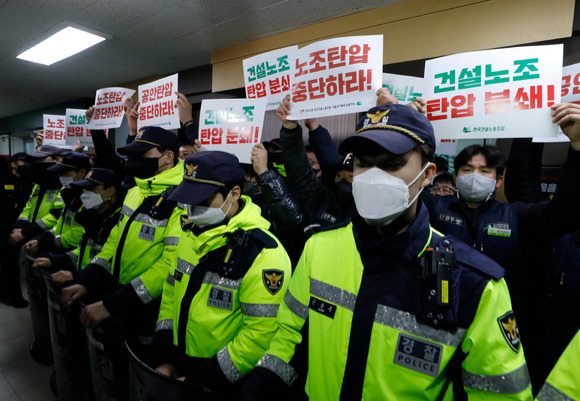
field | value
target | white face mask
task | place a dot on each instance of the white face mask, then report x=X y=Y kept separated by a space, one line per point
x=474 y=187
x=65 y=181
x=380 y=197
x=204 y=216
x=91 y=200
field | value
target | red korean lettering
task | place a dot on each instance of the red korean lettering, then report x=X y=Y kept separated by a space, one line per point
x=251 y=92
x=205 y=136
x=314 y=86
x=261 y=89
x=299 y=92
x=437 y=106
x=274 y=85
x=460 y=101
x=497 y=102
x=354 y=50
x=300 y=68
x=232 y=136
x=566 y=82
x=336 y=57
x=525 y=101
x=317 y=62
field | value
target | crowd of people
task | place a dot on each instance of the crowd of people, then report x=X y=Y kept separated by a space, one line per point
x=364 y=271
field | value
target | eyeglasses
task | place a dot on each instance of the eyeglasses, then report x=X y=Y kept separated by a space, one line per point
x=442 y=189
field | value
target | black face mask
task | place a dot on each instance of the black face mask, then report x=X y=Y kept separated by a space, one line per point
x=251 y=188
x=40 y=175
x=343 y=193
x=24 y=170
x=141 y=167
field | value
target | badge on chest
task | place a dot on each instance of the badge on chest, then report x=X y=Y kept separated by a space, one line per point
x=418 y=355
x=147 y=233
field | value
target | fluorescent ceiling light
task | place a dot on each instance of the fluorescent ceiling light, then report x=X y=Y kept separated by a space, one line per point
x=63 y=44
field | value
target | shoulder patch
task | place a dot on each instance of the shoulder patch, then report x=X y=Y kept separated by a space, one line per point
x=475 y=259
x=273 y=280
x=509 y=329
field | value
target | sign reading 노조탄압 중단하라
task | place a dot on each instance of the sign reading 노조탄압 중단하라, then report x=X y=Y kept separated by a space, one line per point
x=109 y=107
x=54 y=130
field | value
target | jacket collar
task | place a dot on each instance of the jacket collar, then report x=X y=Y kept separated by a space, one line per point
x=408 y=244
x=158 y=183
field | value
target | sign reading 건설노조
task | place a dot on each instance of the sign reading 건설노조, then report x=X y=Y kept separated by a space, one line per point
x=268 y=75
x=502 y=93
x=77 y=128
x=109 y=107
x=337 y=76
x=157 y=104
x=405 y=88
x=232 y=125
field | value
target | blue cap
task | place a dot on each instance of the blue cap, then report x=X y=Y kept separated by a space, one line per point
x=70 y=161
x=149 y=137
x=395 y=127
x=98 y=176
x=204 y=174
x=46 y=150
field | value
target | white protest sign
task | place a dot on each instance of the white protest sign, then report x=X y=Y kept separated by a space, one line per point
x=268 y=75
x=109 y=107
x=570 y=94
x=232 y=125
x=405 y=88
x=502 y=93
x=157 y=104
x=337 y=76
x=54 y=130
x=77 y=128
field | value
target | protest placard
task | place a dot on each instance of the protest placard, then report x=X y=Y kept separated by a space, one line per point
x=337 y=76
x=157 y=104
x=109 y=107
x=267 y=75
x=232 y=125
x=54 y=130
x=502 y=93
x=77 y=128
x=405 y=88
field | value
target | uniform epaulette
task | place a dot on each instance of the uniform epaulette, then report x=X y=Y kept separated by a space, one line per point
x=474 y=259
x=264 y=238
x=315 y=229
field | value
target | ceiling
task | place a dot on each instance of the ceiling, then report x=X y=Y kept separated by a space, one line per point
x=149 y=38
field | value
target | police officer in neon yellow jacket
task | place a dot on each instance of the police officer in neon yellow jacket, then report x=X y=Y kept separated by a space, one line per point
x=219 y=304
x=563 y=382
x=133 y=264
x=45 y=203
x=67 y=233
x=395 y=310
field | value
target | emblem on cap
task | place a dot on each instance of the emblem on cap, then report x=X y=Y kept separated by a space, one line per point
x=139 y=134
x=379 y=117
x=190 y=170
x=89 y=174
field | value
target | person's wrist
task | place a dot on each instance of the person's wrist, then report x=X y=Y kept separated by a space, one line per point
x=188 y=123
x=290 y=124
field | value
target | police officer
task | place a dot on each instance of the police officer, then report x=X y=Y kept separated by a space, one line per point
x=563 y=383
x=44 y=202
x=395 y=310
x=102 y=196
x=219 y=305
x=66 y=234
x=15 y=187
x=134 y=261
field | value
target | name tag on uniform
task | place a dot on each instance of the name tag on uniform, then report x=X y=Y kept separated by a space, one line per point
x=220 y=298
x=9 y=187
x=147 y=233
x=418 y=355
x=499 y=229
x=320 y=306
x=450 y=219
x=177 y=275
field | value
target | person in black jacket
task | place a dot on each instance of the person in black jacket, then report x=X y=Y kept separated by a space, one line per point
x=15 y=188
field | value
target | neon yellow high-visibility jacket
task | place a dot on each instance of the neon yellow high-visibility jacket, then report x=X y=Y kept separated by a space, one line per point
x=376 y=330
x=67 y=232
x=231 y=280
x=43 y=207
x=563 y=382
x=141 y=247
